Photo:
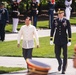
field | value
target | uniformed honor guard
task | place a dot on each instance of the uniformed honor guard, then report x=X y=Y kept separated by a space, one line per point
x=34 y=12
x=51 y=5
x=61 y=30
x=15 y=14
x=68 y=8
x=38 y=1
x=39 y=6
x=4 y=19
x=18 y=1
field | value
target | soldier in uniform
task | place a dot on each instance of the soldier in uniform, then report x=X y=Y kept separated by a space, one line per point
x=68 y=8
x=51 y=5
x=15 y=14
x=34 y=12
x=18 y=1
x=38 y=1
x=4 y=18
x=62 y=39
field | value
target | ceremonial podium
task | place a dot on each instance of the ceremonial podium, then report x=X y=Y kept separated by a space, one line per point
x=37 y=68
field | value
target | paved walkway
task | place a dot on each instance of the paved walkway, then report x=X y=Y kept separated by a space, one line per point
x=20 y=62
x=41 y=33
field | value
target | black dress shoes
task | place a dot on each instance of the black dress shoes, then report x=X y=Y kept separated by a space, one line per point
x=59 y=67
x=63 y=72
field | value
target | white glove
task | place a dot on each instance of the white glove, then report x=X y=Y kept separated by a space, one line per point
x=69 y=43
x=18 y=13
x=51 y=42
x=37 y=11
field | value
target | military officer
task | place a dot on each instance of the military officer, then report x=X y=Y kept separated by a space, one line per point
x=15 y=14
x=38 y=1
x=68 y=8
x=59 y=30
x=4 y=19
x=34 y=12
x=51 y=5
x=39 y=6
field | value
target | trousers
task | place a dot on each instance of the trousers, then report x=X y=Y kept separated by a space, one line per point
x=15 y=24
x=27 y=53
x=2 y=32
x=51 y=18
x=67 y=13
x=58 y=55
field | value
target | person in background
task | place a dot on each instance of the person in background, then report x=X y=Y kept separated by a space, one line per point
x=18 y=1
x=39 y=6
x=61 y=30
x=28 y=32
x=68 y=8
x=4 y=19
x=15 y=15
x=34 y=12
x=38 y=1
x=51 y=5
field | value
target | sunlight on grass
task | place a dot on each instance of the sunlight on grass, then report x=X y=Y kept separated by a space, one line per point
x=10 y=48
x=9 y=69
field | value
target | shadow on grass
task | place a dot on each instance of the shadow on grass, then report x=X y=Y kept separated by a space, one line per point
x=2 y=72
x=41 y=27
x=7 y=31
x=18 y=72
x=25 y=72
x=53 y=73
x=10 y=32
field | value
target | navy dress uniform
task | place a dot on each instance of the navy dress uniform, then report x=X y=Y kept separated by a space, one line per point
x=61 y=30
x=4 y=18
x=51 y=5
x=34 y=12
x=68 y=8
x=15 y=14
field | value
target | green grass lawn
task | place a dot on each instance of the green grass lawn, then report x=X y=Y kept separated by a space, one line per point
x=9 y=69
x=73 y=20
x=45 y=50
x=10 y=48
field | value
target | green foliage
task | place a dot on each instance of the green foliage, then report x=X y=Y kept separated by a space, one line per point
x=23 y=4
